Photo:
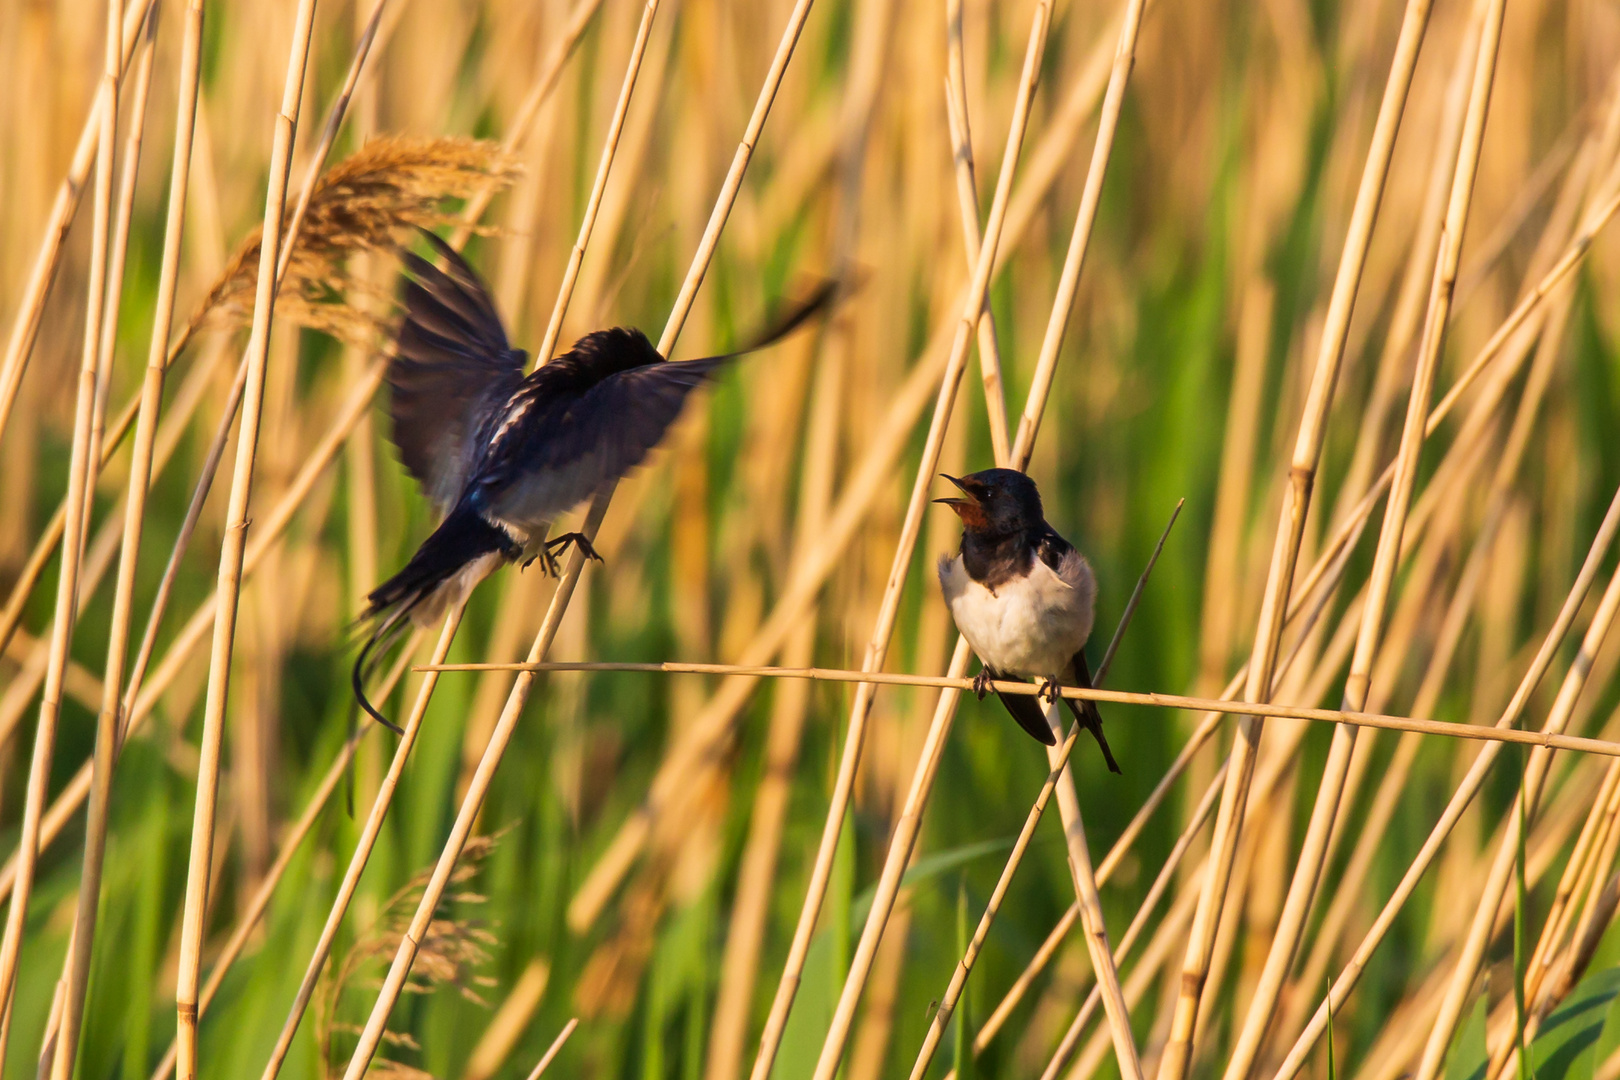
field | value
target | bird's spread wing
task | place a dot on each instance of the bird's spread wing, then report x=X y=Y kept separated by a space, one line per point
x=451 y=359
x=581 y=422
x=591 y=415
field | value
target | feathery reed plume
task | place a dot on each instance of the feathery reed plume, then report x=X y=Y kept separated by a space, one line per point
x=452 y=953
x=369 y=203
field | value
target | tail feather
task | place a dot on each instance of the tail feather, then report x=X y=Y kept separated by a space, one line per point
x=1085 y=712
x=459 y=553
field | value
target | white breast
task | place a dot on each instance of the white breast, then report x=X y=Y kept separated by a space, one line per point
x=1032 y=626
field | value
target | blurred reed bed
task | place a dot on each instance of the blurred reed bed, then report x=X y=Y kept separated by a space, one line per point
x=658 y=833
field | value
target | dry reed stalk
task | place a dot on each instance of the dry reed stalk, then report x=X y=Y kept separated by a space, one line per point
x=1466 y=732
x=399 y=971
x=80 y=492
x=877 y=646
x=1346 y=981
x=76 y=968
x=31 y=309
x=362 y=849
x=610 y=146
x=260 y=901
x=579 y=18
x=1177 y=1056
x=739 y=966
x=1314 y=849
x=233 y=549
x=555 y=1048
x=964 y=966
x=1593 y=854
x=967 y=198
x=1479 y=930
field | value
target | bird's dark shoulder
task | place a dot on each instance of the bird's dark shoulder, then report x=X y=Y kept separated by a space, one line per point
x=1048 y=546
x=594 y=357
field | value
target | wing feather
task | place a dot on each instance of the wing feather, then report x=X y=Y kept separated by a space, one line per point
x=451 y=361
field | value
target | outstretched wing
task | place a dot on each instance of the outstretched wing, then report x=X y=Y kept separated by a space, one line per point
x=581 y=422
x=451 y=360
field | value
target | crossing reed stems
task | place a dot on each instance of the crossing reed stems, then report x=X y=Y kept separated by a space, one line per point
x=232 y=551
x=1177 y=1056
x=81 y=488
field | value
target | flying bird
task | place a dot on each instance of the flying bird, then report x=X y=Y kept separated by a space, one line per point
x=1023 y=597
x=502 y=455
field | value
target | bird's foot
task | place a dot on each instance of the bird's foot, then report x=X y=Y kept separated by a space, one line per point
x=548 y=562
x=981 y=682
x=558 y=545
x=1050 y=691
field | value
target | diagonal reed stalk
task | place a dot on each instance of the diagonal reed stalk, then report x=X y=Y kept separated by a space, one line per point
x=877 y=647
x=1177 y=1055
x=1501 y=873
x=31 y=310
x=394 y=982
x=76 y=968
x=233 y=549
x=554 y=1049
x=81 y=488
x=1314 y=850
x=1464 y=793
x=967 y=199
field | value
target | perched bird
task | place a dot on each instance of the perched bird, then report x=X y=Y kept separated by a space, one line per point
x=503 y=455
x=1022 y=596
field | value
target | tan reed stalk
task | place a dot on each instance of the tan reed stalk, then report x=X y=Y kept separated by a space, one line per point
x=1177 y=1056
x=967 y=199
x=1371 y=828
x=1479 y=931
x=232 y=551
x=1313 y=854
x=362 y=848
x=81 y=490
x=579 y=18
x=953 y=992
x=140 y=697
x=1586 y=863
x=371 y=1035
x=555 y=1048
x=31 y=309
x=1346 y=981
x=877 y=646
x=76 y=969
x=728 y=1032
x=248 y=922
x=1200 y=815
x=610 y=146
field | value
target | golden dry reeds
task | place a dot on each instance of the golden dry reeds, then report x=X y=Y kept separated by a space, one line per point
x=743 y=804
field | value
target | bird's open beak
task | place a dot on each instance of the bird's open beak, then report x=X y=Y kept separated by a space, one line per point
x=954 y=503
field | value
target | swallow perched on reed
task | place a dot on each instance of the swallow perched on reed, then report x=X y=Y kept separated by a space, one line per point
x=502 y=455
x=1022 y=596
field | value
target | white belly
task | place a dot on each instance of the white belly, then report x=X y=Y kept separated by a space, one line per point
x=1031 y=627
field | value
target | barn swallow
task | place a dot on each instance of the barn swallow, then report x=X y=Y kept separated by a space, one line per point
x=1022 y=596
x=502 y=455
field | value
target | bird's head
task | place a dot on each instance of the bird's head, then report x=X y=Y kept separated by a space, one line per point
x=998 y=502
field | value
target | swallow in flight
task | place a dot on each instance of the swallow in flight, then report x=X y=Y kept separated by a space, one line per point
x=1022 y=596
x=502 y=455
